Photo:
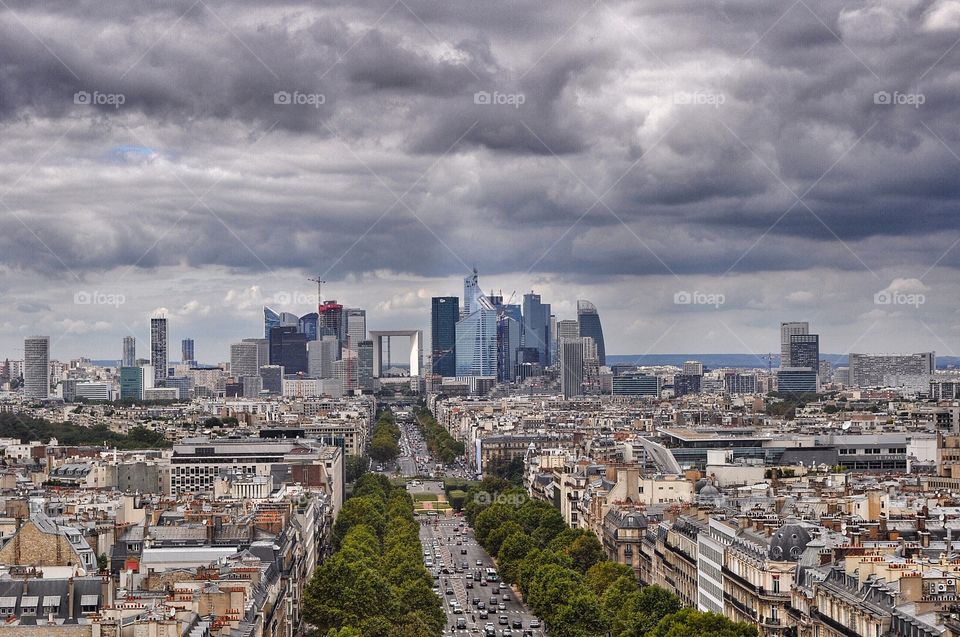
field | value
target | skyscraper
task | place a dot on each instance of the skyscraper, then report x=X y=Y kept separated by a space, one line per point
x=536 y=326
x=476 y=347
x=309 y=325
x=365 y=365
x=805 y=351
x=356 y=329
x=244 y=359
x=444 y=315
x=589 y=320
x=571 y=352
x=509 y=329
x=129 y=352
x=263 y=349
x=131 y=383
x=36 y=367
x=271 y=319
x=186 y=351
x=158 y=350
x=331 y=322
x=787 y=330
x=471 y=292
x=288 y=348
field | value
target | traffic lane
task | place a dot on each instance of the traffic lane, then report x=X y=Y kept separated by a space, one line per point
x=515 y=609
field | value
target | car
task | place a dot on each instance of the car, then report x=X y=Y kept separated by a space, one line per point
x=527 y=632
x=459 y=543
x=461 y=623
x=483 y=613
x=463 y=551
x=475 y=601
x=493 y=601
x=480 y=603
x=449 y=591
x=489 y=630
x=479 y=562
x=457 y=610
x=469 y=584
x=476 y=577
x=534 y=623
x=506 y=633
x=506 y=597
x=502 y=586
x=503 y=620
x=517 y=623
x=501 y=606
x=483 y=582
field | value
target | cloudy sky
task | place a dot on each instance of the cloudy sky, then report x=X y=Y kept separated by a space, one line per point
x=699 y=170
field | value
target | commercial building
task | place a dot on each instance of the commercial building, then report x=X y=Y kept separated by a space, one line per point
x=797 y=380
x=536 y=326
x=588 y=320
x=805 y=351
x=476 y=346
x=288 y=348
x=36 y=367
x=187 y=355
x=444 y=315
x=158 y=350
x=909 y=371
x=787 y=330
x=132 y=383
x=129 y=358
x=636 y=384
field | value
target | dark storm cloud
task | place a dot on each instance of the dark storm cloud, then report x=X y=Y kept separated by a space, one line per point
x=698 y=124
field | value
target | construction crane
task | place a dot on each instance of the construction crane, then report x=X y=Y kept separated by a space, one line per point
x=319 y=283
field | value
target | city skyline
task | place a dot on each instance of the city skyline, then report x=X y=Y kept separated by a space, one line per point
x=811 y=173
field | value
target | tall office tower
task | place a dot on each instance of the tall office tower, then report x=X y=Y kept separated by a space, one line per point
x=805 y=351
x=309 y=325
x=444 y=314
x=36 y=367
x=186 y=351
x=508 y=339
x=693 y=368
x=786 y=331
x=356 y=329
x=536 y=326
x=288 y=348
x=571 y=353
x=263 y=349
x=129 y=352
x=271 y=319
x=131 y=383
x=589 y=320
x=476 y=347
x=271 y=377
x=321 y=355
x=567 y=329
x=244 y=359
x=471 y=292
x=331 y=322
x=365 y=365
x=158 y=350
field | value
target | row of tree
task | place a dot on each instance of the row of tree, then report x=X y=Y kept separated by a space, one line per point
x=567 y=579
x=27 y=429
x=375 y=584
x=385 y=437
x=440 y=443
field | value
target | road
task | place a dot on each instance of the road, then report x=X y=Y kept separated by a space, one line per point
x=439 y=537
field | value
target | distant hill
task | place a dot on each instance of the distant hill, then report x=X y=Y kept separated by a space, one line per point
x=715 y=361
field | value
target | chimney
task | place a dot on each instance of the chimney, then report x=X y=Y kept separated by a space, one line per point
x=883 y=526
x=70 y=598
x=925 y=539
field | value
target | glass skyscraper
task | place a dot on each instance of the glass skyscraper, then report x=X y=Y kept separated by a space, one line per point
x=308 y=325
x=536 y=326
x=129 y=352
x=445 y=313
x=158 y=350
x=476 y=346
x=288 y=349
x=589 y=320
x=186 y=351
